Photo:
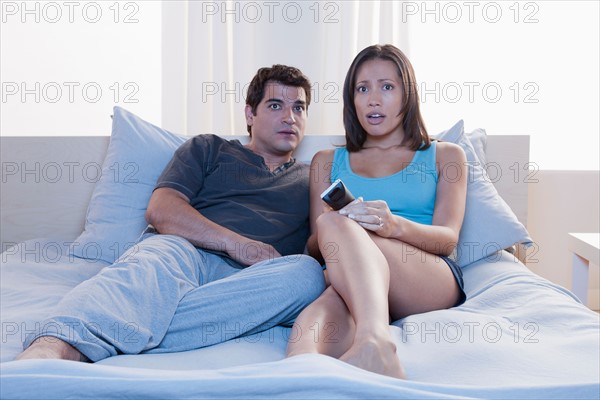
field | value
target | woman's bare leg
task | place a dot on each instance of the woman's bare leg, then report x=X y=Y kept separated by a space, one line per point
x=360 y=273
x=378 y=278
x=419 y=281
x=324 y=327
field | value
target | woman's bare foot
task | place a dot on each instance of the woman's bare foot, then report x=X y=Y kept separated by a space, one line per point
x=375 y=356
x=49 y=347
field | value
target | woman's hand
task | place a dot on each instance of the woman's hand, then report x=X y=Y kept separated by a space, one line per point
x=373 y=215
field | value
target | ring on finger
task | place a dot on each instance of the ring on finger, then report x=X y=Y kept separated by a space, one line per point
x=380 y=221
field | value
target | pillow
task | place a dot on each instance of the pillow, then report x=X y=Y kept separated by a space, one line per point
x=137 y=154
x=489 y=224
x=477 y=138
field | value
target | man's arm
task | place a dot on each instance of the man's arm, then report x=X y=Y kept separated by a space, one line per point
x=170 y=212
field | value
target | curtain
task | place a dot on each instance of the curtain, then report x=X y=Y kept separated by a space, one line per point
x=211 y=51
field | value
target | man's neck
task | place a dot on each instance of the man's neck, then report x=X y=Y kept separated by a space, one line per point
x=272 y=161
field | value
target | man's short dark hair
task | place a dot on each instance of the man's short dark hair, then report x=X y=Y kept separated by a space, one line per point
x=283 y=74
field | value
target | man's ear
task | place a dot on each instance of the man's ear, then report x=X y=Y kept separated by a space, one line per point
x=249 y=115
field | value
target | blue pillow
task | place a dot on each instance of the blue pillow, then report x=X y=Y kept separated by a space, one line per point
x=477 y=138
x=137 y=154
x=489 y=224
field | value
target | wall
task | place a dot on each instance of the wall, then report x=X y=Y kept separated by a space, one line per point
x=64 y=65
x=561 y=202
x=493 y=64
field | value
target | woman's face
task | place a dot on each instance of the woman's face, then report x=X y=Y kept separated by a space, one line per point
x=378 y=98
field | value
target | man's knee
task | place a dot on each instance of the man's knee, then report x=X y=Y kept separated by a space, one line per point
x=304 y=276
x=163 y=245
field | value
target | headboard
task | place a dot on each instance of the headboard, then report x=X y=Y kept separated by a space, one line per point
x=47 y=182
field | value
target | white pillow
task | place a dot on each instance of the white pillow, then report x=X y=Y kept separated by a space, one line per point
x=478 y=138
x=489 y=224
x=137 y=154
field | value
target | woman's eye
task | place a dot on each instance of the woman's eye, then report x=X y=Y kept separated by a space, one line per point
x=387 y=86
x=361 y=89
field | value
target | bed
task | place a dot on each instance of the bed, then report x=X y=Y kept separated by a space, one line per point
x=70 y=205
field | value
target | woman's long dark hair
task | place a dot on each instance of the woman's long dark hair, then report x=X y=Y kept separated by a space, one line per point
x=416 y=136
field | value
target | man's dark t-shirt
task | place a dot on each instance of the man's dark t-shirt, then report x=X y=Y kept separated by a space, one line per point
x=233 y=187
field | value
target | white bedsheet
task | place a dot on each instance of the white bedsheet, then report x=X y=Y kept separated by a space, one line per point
x=517 y=336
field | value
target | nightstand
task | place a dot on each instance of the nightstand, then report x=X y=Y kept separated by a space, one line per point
x=585 y=248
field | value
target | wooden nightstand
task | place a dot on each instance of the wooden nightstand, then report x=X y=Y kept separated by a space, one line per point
x=585 y=248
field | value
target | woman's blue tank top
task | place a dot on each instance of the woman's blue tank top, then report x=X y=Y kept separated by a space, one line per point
x=409 y=193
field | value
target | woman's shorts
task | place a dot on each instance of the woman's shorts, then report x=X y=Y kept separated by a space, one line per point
x=458 y=276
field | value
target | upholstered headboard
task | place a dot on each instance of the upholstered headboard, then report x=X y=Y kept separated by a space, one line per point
x=47 y=182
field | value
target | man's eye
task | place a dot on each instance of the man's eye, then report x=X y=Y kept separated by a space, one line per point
x=299 y=108
x=274 y=106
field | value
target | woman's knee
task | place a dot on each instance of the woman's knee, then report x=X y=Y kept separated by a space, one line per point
x=331 y=222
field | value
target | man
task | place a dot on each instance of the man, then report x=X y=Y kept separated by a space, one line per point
x=210 y=266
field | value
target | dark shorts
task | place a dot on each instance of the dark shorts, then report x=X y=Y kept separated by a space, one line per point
x=458 y=276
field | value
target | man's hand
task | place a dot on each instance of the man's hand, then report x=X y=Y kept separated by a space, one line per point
x=252 y=252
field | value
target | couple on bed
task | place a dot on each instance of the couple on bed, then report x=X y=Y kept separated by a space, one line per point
x=222 y=256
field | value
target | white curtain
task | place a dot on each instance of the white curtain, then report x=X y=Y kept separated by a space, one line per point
x=211 y=50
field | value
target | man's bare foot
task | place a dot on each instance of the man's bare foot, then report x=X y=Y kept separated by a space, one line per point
x=375 y=356
x=50 y=347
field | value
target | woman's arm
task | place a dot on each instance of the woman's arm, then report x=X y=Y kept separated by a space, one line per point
x=441 y=236
x=320 y=172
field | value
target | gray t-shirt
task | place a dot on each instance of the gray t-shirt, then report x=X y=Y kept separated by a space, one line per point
x=233 y=187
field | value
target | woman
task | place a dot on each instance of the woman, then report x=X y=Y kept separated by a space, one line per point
x=386 y=252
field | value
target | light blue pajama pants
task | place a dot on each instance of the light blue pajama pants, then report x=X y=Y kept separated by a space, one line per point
x=165 y=295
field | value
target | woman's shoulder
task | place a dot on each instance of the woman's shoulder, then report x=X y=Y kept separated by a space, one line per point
x=324 y=155
x=322 y=162
x=449 y=152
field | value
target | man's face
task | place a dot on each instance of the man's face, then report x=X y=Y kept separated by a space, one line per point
x=278 y=126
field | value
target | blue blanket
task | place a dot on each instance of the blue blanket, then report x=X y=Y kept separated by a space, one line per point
x=517 y=336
